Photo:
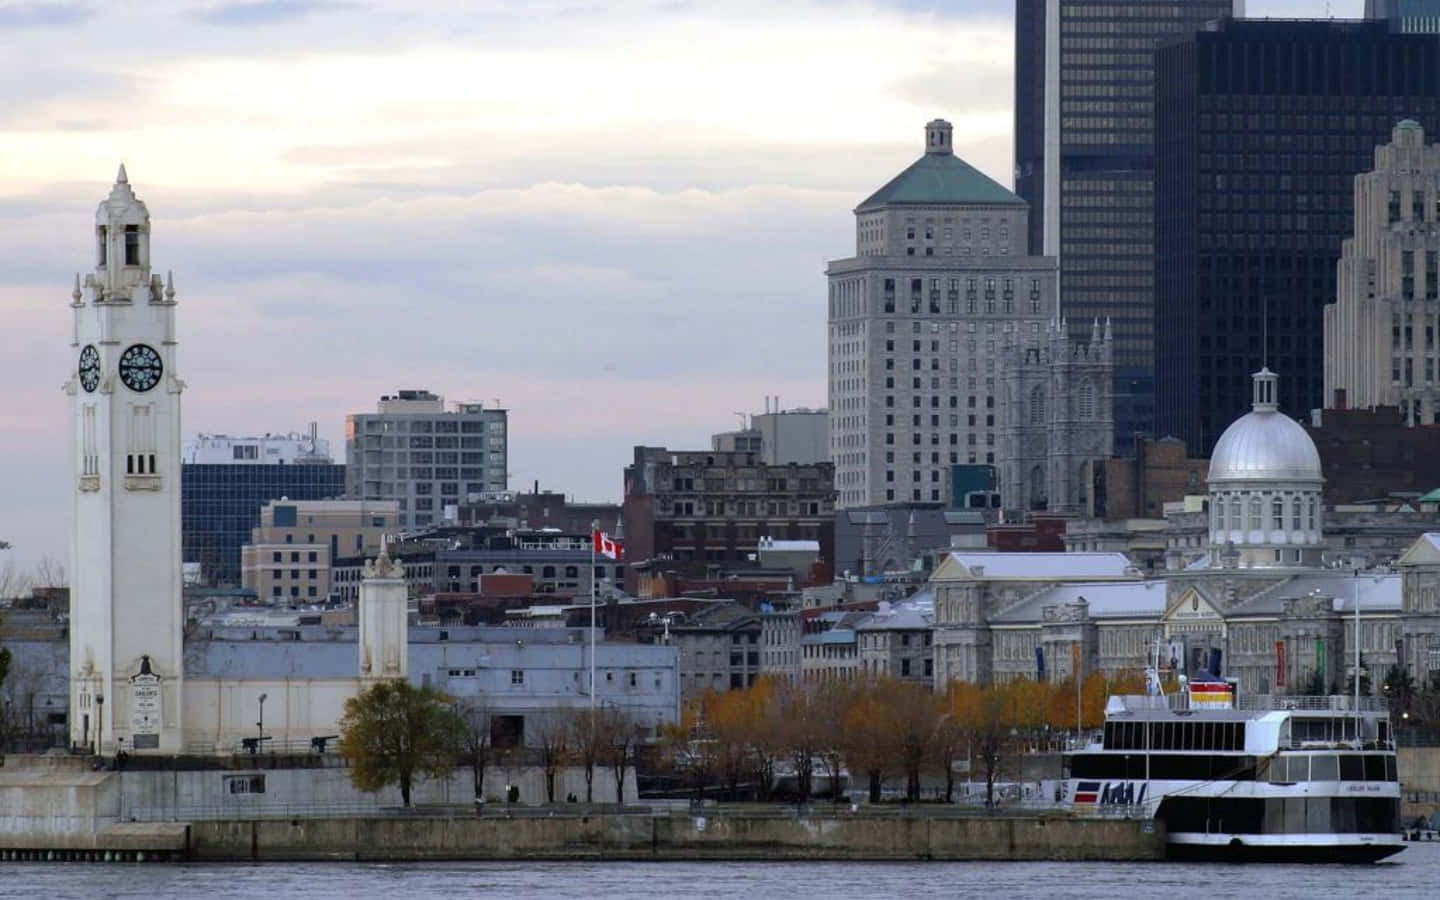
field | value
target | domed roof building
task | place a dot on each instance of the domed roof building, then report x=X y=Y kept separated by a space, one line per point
x=1265 y=489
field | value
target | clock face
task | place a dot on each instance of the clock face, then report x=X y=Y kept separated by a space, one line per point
x=140 y=368
x=89 y=368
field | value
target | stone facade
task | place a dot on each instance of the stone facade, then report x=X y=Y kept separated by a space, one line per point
x=1058 y=420
x=126 y=677
x=921 y=319
x=897 y=641
x=780 y=644
x=1380 y=345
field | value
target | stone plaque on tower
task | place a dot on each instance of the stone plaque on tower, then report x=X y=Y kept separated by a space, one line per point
x=145 y=708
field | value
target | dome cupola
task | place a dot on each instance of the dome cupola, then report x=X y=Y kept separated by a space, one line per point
x=1265 y=487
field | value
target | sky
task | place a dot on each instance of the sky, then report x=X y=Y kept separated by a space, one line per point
x=611 y=218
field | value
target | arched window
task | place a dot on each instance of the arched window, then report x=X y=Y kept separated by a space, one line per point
x=1235 y=514
x=1296 y=519
x=1277 y=514
x=1311 y=525
x=1257 y=512
x=1087 y=399
x=1037 y=405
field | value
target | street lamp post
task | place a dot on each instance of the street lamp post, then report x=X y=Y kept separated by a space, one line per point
x=260 y=725
x=99 y=722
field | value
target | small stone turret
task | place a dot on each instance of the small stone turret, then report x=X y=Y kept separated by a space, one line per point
x=383 y=613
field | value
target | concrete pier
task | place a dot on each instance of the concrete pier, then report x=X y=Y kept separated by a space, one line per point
x=746 y=836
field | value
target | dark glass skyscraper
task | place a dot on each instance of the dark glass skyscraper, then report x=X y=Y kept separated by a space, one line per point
x=1084 y=126
x=1261 y=128
x=219 y=504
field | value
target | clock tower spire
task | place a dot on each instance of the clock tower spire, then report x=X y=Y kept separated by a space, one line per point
x=126 y=657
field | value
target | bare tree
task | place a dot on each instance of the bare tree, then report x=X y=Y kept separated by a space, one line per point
x=620 y=735
x=13 y=583
x=49 y=573
x=828 y=707
x=21 y=688
x=800 y=734
x=475 y=735
x=587 y=728
x=552 y=739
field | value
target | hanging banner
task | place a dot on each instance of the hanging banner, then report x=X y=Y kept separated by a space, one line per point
x=1279 y=664
x=1320 y=659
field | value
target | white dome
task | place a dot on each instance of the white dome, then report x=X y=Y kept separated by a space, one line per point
x=1265 y=444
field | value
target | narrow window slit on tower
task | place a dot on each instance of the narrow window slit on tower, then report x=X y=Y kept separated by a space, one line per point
x=132 y=245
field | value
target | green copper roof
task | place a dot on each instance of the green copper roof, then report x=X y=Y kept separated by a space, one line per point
x=1432 y=497
x=940 y=179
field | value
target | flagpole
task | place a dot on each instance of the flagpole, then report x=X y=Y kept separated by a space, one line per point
x=594 y=536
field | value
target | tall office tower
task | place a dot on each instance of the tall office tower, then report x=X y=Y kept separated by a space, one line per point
x=1410 y=16
x=1380 y=332
x=415 y=452
x=1084 y=159
x=1261 y=127
x=920 y=321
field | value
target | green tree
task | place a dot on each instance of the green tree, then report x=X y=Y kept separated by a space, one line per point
x=393 y=732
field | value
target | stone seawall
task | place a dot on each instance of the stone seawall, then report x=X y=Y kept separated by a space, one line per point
x=679 y=837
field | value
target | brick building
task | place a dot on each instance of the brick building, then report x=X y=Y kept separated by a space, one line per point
x=537 y=509
x=704 y=512
x=1369 y=454
x=1160 y=472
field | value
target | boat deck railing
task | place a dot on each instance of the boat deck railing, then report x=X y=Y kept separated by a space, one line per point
x=1333 y=703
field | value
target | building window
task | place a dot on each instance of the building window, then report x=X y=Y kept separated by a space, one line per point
x=1087 y=399
x=517 y=676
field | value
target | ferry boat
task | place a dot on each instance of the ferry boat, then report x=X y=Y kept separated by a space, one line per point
x=1254 y=778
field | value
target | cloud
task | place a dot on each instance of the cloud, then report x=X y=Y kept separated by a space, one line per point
x=268 y=12
x=43 y=15
x=616 y=219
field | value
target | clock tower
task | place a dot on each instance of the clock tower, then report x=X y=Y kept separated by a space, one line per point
x=126 y=659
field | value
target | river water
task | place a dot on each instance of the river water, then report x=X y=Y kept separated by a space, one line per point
x=1412 y=873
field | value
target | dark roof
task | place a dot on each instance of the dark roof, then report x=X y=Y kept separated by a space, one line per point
x=940 y=179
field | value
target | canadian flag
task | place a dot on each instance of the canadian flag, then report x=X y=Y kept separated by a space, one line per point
x=607 y=546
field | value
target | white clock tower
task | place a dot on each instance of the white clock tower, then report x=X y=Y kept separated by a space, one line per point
x=126 y=659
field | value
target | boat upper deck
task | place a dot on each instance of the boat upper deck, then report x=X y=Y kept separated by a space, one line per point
x=1244 y=706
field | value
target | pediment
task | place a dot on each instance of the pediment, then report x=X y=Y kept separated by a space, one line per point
x=1191 y=606
x=1424 y=552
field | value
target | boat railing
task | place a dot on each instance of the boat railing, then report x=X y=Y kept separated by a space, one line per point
x=1258 y=702
x=1310 y=703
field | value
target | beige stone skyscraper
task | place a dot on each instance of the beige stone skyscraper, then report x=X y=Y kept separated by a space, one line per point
x=928 y=321
x=1380 y=333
